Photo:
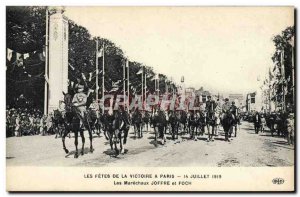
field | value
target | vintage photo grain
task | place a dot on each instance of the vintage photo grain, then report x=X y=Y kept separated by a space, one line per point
x=150 y=98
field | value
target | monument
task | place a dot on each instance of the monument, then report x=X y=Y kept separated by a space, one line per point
x=58 y=57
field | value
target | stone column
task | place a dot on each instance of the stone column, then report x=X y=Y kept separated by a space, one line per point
x=58 y=58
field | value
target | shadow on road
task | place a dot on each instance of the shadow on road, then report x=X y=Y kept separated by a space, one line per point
x=85 y=151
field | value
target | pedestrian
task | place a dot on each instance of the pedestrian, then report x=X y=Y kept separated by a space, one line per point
x=263 y=123
x=257 y=122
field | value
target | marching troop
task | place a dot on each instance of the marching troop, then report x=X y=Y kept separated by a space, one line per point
x=80 y=113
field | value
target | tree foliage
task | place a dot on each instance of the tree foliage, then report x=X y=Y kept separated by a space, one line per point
x=26 y=29
x=283 y=83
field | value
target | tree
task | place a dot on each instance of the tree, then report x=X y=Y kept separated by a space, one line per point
x=283 y=84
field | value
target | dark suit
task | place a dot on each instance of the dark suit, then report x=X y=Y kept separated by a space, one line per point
x=257 y=122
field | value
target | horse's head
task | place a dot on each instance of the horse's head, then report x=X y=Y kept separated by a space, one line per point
x=67 y=99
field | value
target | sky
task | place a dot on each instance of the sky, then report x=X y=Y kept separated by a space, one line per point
x=223 y=50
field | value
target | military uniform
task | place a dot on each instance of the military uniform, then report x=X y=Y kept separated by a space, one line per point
x=210 y=107
x=79 y=101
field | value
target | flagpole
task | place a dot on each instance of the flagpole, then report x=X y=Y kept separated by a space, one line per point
x=158 y=85
x=142 y=85
x=124 y=85
x=155 y=90
x=46 y=67
x=127 y=62
x=145 y=85
x=103 y=74
x=97 y=85
x=283 y=79
x=293 y=77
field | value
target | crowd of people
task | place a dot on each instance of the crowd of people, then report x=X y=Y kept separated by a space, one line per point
x=279 y=123
x=24 y=121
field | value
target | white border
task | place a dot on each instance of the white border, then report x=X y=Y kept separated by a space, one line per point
x=4 y=3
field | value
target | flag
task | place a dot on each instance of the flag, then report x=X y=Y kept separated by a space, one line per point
x=71 y=67
x=182 y=79
x=90 y=78
x=116 y=84
x=26 y=55
x=114 y=89
x=19 y=60
x=9 y=54
x=140 y=71
x=148 y=75
x=100 y=52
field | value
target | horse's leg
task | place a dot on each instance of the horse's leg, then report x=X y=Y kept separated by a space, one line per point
x=124 y=140
x=116 y=147
x=213 y=132
x=208 y=133
x=83 y=141
x=235 y=130
x=155 y=134
x=90 y=136
x=120 y=139
x=76 y=144
x=111 y=141
x=55 y=132
x=141 y=132
x=134 y=129
x=63 y=141
x=226 y=134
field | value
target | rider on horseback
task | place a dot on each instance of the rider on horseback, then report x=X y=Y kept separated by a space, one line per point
x=211 y=119
x=79 y=101
x=234 y=110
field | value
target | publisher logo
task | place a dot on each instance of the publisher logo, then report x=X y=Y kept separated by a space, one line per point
x=278 y=181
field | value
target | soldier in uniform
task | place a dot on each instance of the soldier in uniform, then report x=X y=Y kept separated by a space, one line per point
x=79 y=101
x=210 y=106
x=225 y=108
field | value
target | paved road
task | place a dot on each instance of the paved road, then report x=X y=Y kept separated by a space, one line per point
x=247 y=149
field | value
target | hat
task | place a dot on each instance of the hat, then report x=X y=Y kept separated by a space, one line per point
x=226 y=99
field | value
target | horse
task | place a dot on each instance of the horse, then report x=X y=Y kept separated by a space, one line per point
x=58 y=123
x=173 y=121
x=146 y=120
x=159 y=122
x=227 y=123
x=73 y=123
x=95 y=123
x=236 y=121
x=192 y=124
x=182 y=121
x=137 y=123
x=117 y=124
x=211 y=125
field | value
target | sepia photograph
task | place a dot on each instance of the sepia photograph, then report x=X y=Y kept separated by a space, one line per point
x=150 y=98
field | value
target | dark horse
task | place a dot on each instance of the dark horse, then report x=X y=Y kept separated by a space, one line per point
x=73 y=123
x=146 y=120
x=117 y=127
x=137 y=123
x=58 y=123
x=173 y=121
x=211 y=120
x=159 y=122
x=227 y=123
